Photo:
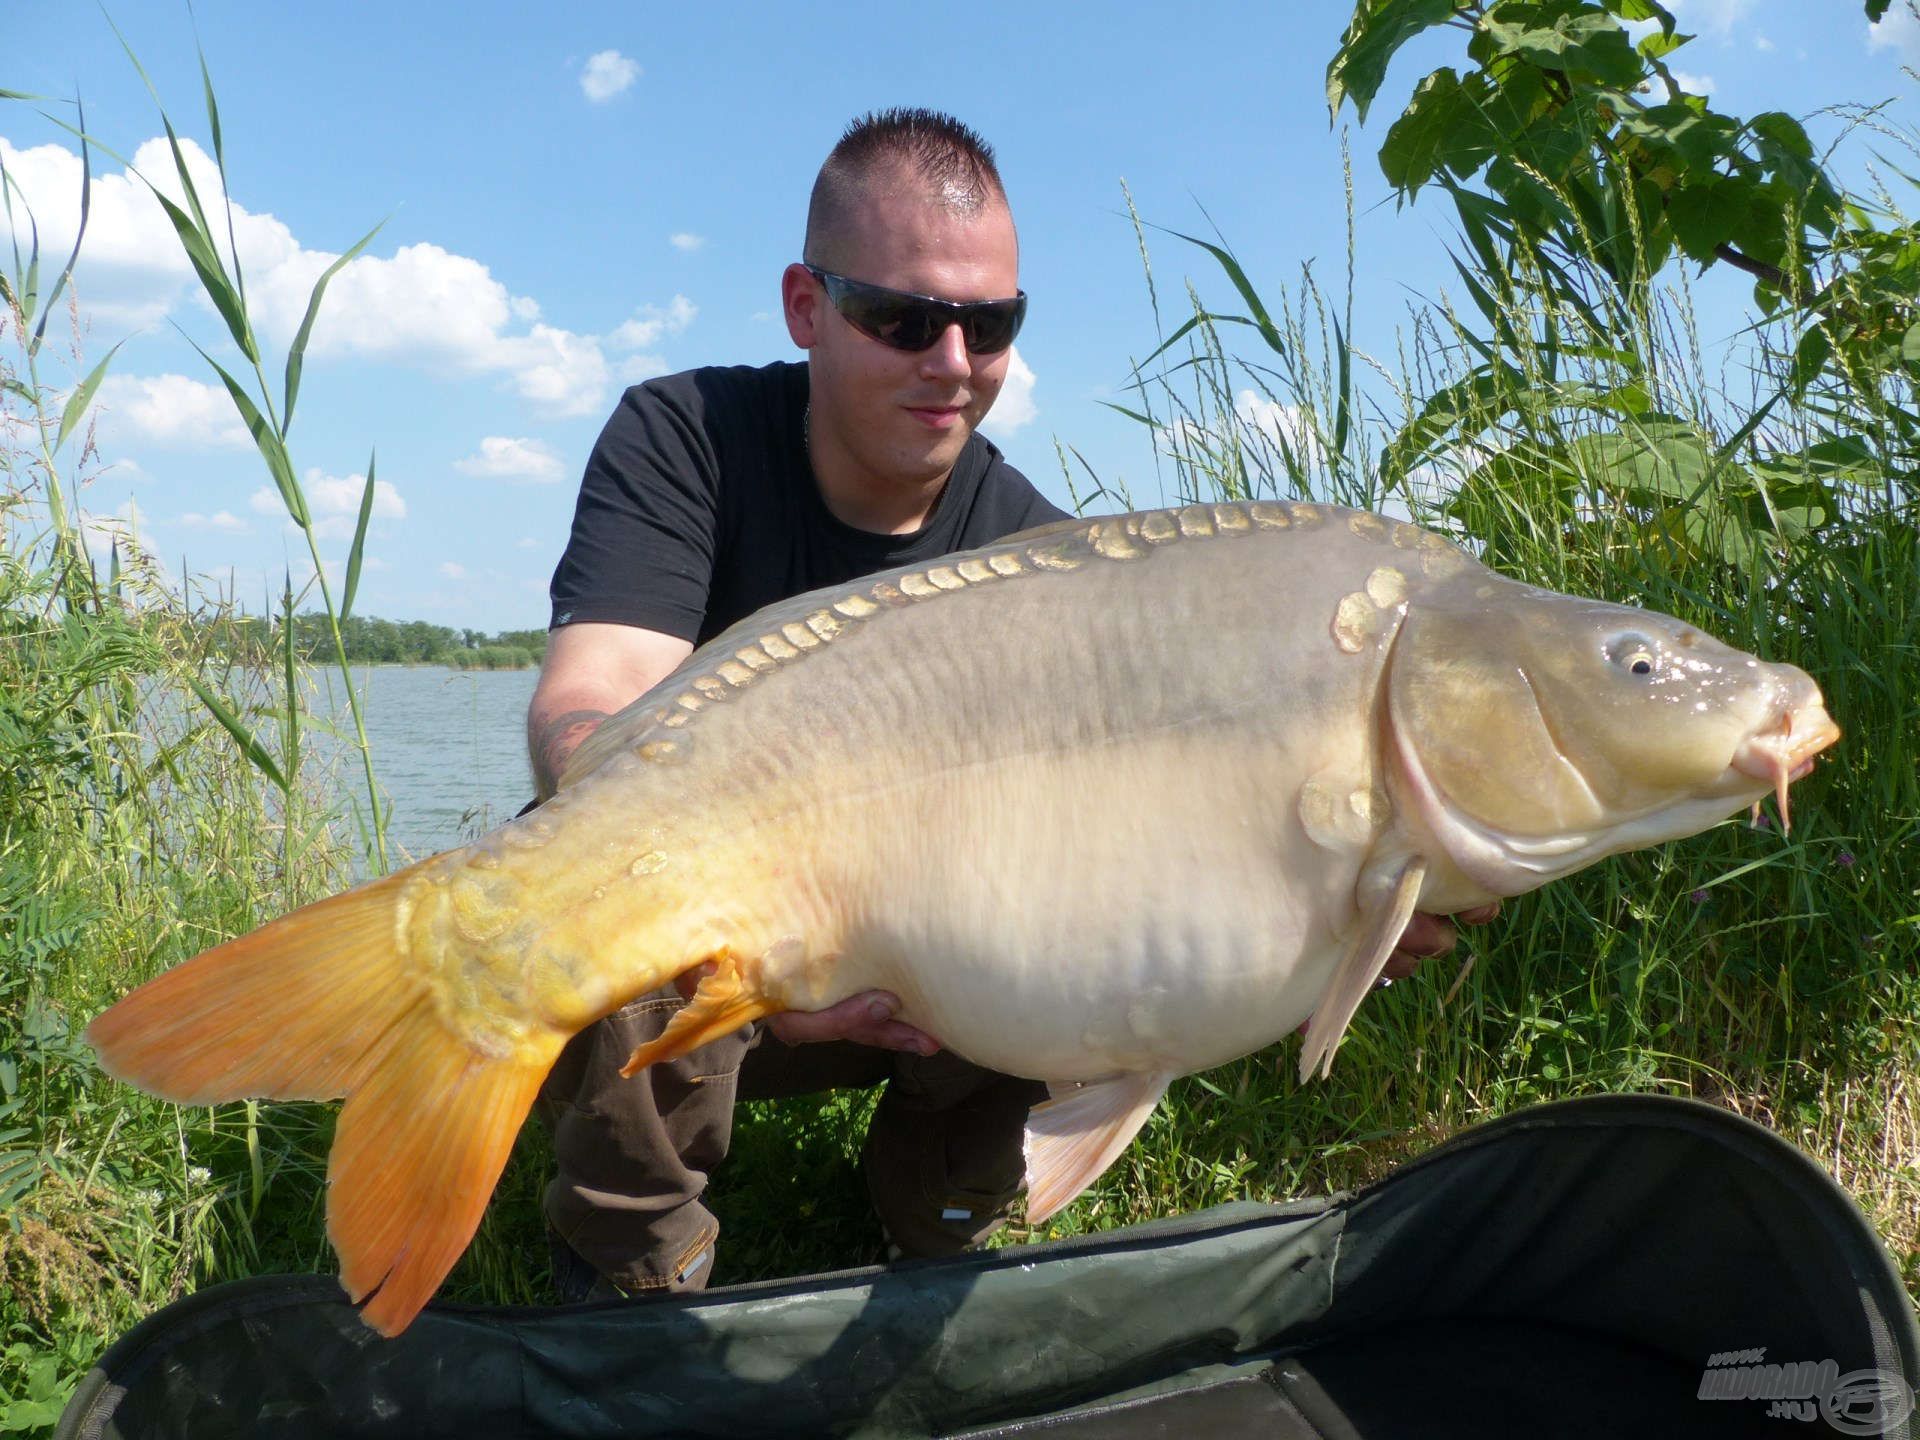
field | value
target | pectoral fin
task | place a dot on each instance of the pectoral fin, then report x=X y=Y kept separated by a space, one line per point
x=1082 y=1130
x=724 y=1002
x=1366 y=957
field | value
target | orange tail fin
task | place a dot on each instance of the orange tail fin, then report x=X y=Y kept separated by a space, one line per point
x=323 y=1003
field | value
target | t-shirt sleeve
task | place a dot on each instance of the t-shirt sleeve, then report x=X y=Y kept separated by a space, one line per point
x=644 y=529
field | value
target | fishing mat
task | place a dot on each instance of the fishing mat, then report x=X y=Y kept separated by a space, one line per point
x=1600 y=1267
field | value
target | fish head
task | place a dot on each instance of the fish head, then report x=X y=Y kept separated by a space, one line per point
x=1535 y=733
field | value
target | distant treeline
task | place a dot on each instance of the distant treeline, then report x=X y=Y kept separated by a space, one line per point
x=373 y=641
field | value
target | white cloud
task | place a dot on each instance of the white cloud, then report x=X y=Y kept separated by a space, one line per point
x=1281 y=426
x=340 y=495
x=452 y=571
x=126 y=527
x=1762 y=44
x=1899 y=32
x=502 y=457
x=132 y=265
x=422 y=306
x=1715 y=18
x=1015 y=406
x=127 y=521
x=223 y=521
x=171 y=411
x=560 y=372
x=429 y=307
x=635 y=369
x=526 y=542
x=333 y=501
x=650 y=323
x=686 y=240
x=606 y=74
x=1692 y=84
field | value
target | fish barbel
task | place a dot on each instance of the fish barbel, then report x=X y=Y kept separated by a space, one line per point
x=1103 y=804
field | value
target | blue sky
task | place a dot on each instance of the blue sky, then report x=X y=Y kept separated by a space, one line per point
x=581 y=195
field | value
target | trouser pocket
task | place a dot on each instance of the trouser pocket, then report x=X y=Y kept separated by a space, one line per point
x=632 y=1156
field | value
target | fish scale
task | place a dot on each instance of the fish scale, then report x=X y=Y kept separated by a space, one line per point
x=1103 y=804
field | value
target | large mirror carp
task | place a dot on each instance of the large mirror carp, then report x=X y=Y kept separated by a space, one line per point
x=1103 y=804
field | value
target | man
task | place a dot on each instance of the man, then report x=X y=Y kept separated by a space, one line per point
x=709 y=495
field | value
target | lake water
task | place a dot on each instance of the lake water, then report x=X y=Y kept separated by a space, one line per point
x=449 y=748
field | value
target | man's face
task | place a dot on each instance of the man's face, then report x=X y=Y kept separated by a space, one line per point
x=888 y=418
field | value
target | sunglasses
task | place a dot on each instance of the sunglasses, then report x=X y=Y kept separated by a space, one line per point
x=905 y=321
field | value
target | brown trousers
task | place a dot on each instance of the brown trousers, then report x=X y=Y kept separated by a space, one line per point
x=943 y=1156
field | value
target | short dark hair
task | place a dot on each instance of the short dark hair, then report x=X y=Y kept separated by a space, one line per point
x=948 y=158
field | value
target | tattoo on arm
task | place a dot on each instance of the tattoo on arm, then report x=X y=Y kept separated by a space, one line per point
x=554 y=742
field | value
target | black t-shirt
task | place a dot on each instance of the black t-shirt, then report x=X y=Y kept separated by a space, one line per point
x=699 y=507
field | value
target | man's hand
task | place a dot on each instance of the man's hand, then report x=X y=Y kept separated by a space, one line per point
x=1427 y=935
x=865 y=1019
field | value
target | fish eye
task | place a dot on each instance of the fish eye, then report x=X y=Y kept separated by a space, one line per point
x=1633 y=654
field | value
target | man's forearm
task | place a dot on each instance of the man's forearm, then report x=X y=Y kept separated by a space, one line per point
x=551 y=741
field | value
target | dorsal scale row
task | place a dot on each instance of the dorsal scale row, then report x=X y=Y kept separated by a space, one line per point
x=774 y=638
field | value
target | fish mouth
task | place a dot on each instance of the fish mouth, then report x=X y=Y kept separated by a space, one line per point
x=1784 y=752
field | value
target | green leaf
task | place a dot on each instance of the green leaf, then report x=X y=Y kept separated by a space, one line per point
x=1910 y=345
x=207 y=265
x=1566 y=36
x=1443 y=127
x=296 y=356
x=1642 y=10
x=1342 y=419
x=1453 y=413
x=1187 y=327
x=1877 y=10
x=1377 y=30
x=213 y=114
x=1810 y=358
x=1256 y=307
x=1803 y=477
x=1700 y=217
x=290 y=745
x=359 y=541
x=81 y=398
x=86 y=206
x=279 y=463
x=1659 y=458
x=234 y=726
x=1681 y=136
x=1658 y=44
x=30 y=286
x=1144 y=419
